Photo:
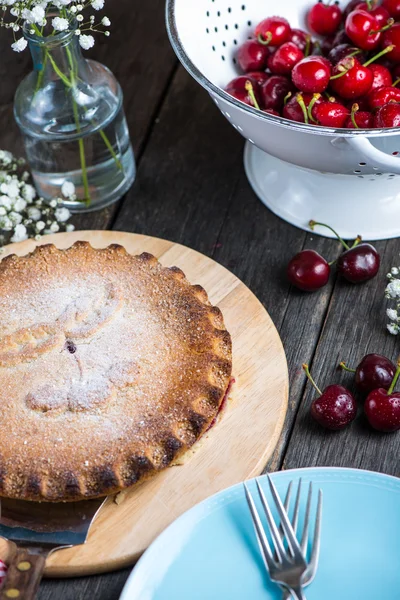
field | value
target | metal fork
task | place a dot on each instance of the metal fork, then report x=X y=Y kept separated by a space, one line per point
x=289 y=567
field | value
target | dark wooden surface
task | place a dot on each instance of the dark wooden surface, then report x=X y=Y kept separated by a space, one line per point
x=191 y=189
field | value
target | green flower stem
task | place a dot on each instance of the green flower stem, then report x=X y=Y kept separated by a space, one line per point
x=395 y=379
x=111 y=150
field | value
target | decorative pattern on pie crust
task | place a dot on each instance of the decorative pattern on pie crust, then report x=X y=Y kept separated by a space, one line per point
x=111 y=367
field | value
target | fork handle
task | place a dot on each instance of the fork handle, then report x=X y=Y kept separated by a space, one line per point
x=297 y=593
x=23 y=576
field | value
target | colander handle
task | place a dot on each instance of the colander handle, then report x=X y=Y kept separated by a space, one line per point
x=373 y=156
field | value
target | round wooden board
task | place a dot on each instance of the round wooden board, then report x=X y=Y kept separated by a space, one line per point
x=235 y=450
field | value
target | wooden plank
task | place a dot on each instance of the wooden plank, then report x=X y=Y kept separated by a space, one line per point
x=143 y=64
x=355 y=326
x=101 y=587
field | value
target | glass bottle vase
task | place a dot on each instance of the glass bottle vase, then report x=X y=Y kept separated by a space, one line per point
x=70 y=112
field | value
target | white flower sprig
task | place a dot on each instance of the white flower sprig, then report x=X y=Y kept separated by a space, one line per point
x=14 y=14
x=22 y=213
x=393 y=293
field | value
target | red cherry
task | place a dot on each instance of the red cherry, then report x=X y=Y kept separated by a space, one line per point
x=393 y=8
x=285 y=58
x=335 y=408
x=237 y=89
x=274 y=91
x=331 y=114
x=382 y=76
x=359 y=264
x=379 y=12
x=271 y=111
x=324 y=19
x=301 y=39
x=326 y=45
x=312 y=74
x=295 y=108
x=308 y=271
x=363 y=29
x=341 y=38
x=374 y=371
x=342 y=51
x=259 y=77
x=363 y=119
x=391 y=37
x=383 y=410
x=350 y=7
x=388 y=116
x=273 y=31
x=382 y=96
x=252 y=56
x=356 y=80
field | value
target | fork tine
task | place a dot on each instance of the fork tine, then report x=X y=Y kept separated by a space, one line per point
x=317 y=535
x=286 y=505
x=290 y=534
x=304 y=538
x=262 y=538
x=295 y=519
x=279 y=548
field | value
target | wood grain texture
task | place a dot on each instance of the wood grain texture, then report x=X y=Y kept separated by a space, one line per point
x=24 y=575
x=247 y=433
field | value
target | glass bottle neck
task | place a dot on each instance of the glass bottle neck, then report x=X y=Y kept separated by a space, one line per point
x=58 y=60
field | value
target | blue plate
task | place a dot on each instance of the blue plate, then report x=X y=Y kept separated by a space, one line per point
x=210 y=552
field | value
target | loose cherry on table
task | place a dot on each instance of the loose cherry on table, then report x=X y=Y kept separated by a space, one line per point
x=382 y=407
x=274 y=91
x=335 y=408
x=393 y=8
x=252 y=56
x=374 y=371
x=273 y=31
x=388 y=116
x=282 y=61
x=308 y=271
x=357 y=264
x=324 y=19
x=312 y=74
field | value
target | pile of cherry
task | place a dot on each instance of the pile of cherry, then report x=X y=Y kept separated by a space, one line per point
x=346 y=79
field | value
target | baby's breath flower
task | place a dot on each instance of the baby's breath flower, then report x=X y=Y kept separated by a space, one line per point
x=86 y=41
x=60 y=24
x=19 y=45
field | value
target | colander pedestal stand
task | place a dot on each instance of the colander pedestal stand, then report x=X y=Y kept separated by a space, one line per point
x=367 y=206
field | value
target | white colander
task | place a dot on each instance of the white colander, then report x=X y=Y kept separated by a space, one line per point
x=346 y=178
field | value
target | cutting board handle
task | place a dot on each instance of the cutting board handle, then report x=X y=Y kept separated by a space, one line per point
x=24 y=575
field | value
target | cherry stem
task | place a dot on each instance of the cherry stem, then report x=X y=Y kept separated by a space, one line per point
x=396 y=82
x=315 y=98
x=307 y=372
x=389 y=24
x=346 y=368
x=357 y=241
x=395 y=379
x=249 y=88
x=369 y=4
x=308 y=46
x=312 y=224
x=286 y=98
x=303 y=107
x=354 y=109
x=379 y=55
x=346 y=65
x=265 y=41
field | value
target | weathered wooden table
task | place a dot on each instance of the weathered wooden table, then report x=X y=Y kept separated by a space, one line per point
x=191 y=188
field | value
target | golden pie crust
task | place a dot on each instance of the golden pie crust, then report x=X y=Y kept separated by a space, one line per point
x=111 y=367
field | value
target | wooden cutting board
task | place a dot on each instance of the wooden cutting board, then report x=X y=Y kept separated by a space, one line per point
x=236 y=449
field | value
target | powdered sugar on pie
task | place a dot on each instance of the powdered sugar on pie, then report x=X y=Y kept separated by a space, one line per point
x=110 y=367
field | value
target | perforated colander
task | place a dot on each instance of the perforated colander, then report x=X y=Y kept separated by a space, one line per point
x=348 y=178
